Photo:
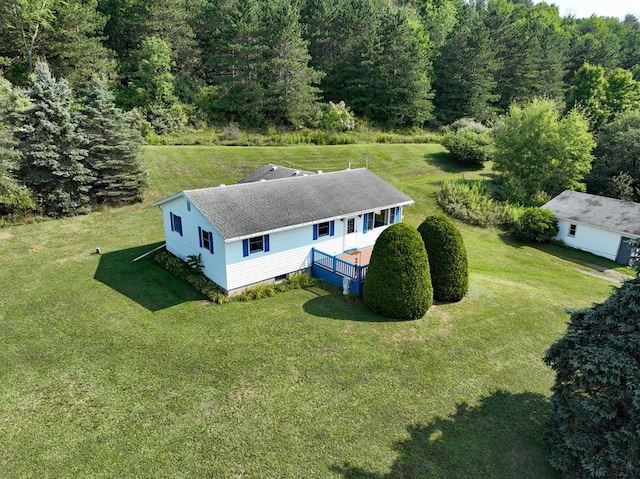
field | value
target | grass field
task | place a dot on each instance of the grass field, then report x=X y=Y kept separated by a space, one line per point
x=115 y=369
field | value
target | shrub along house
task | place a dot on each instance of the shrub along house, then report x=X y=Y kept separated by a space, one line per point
x=265 y=230
x=596 y=224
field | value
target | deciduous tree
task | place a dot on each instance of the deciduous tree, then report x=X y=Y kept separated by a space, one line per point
x=540 y=153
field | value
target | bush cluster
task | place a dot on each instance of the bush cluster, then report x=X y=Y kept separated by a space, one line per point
x=196 y=278
x=468 y=147
x=536 y=225
x=192 y=276
x=447 y=258
x=398 y=283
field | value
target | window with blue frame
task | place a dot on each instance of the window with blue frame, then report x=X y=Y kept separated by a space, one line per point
x=379 y=218
x=326 y=228
x=206 y=239
x=256 y=244
x=176 y=223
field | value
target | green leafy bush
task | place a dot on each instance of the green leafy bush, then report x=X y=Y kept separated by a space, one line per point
x=447 y=258
x=595 y=424
x=468 y=147
x=398 y=284
x=536 y=225
x=337 y=117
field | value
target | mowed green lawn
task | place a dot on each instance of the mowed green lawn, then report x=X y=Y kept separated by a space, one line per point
x=115 y=369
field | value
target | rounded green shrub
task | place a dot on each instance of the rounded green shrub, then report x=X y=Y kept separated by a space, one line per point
x=536 y=225
x=398 y=284
x=447 y=258
x=468 y=147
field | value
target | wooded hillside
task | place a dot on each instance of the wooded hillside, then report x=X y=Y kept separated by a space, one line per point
x=276 y=62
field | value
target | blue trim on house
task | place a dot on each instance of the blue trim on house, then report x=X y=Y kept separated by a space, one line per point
x=265 y=243
x=211 y=250
x=332 y=228
x=245 y=247
x=315 y=231
x=200 y=236
x=364 y=223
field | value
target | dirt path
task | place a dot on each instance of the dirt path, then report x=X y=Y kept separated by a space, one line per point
x=602 y=272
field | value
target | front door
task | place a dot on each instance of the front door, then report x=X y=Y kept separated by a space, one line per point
x=349 y=241
x=624 y=252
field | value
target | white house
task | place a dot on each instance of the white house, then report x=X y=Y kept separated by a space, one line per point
x=596 y=224
x=265 y=230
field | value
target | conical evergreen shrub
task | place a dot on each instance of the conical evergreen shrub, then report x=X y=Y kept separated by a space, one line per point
x=447 y=258
x=398 y=284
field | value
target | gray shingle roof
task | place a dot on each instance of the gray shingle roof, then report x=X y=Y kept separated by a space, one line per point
x=608 y=213
x=273 y=172
x=247 y=209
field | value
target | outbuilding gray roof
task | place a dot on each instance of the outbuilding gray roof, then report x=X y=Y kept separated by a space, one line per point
x=274 y=172
x=248 y=209
x=607 y=213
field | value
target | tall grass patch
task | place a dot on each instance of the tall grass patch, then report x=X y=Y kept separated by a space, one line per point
x=471 y=202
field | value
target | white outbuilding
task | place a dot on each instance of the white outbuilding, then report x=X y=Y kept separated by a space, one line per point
x=597 y=224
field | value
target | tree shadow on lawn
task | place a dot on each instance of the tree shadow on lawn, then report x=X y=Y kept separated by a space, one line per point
x=443 y=162
x=502 y=437
x=144 y=281
x=331 y=303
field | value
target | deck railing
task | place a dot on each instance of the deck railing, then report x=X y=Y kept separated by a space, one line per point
x=339 y=266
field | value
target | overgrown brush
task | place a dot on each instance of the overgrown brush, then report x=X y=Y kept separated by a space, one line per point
x=471 y=202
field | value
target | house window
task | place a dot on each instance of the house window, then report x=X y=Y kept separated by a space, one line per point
x=351 y=225
x=176 y=223
x=206 y=239
x=572 y=230
x=381 y=218
x=323 y=229
x=255 y=245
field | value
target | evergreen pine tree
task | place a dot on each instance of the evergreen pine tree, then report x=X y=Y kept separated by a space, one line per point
x=113 y=148
x=52 y=162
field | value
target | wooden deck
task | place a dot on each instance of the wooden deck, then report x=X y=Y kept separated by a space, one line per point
x=361 y=256
x=351 y=266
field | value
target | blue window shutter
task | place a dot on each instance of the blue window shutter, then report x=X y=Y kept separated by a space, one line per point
x=171 y=219
x=245 y=247
x=210 y=242
x=266 y=243
x=364 y=225
x=200 y=236
x=315 y=232
x=332 y=228
x=397 y=214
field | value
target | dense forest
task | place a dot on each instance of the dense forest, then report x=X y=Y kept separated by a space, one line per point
x=261 y=62
x=306 y=63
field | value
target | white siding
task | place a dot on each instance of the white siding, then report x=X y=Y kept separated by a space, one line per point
x=590 y=238
x=290 y=251
x=189 y=243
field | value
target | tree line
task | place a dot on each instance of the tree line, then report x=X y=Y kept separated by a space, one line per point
x=274 y=62
x=549 y=88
